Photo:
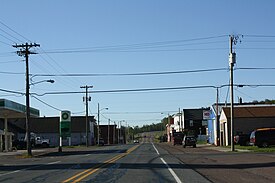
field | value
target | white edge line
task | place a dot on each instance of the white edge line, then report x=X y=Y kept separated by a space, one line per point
x=155 y=149
x=29 y=168
x=53 y=163
x=170 y=169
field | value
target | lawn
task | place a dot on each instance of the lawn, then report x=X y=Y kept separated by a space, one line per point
x=255 y=148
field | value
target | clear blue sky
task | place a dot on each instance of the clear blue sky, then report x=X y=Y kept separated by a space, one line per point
x=160 y=36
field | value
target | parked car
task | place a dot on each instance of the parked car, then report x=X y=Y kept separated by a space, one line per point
x=101 y=142
x=242 y=139
x=263 y=137
x=177 y=138
x=189 y=141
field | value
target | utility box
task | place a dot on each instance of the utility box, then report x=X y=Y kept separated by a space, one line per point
x=232 y=58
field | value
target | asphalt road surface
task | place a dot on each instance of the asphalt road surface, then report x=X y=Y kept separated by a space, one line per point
x=132 y=163
x=140 y=163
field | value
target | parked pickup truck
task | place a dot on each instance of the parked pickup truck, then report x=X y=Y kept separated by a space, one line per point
x=177 y=138
x=42 y=142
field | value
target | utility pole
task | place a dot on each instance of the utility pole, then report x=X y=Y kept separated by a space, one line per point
x=114 y=135
x=232 y=61
x=86 y=99
x=109 y=131
x=98 y=123
x=25 y=51
x=217 y=119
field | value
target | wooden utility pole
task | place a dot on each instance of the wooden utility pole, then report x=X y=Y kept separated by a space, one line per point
x=86 y=99
x=232 y=61
x=25 y=51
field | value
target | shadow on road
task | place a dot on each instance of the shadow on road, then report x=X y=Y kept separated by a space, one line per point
x=72 y=152
x=61 y=166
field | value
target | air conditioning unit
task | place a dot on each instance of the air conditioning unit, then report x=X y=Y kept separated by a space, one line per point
x=65 y=116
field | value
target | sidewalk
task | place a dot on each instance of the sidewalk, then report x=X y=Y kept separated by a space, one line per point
x=35 y=152
x=220 y=148
x=50 y=150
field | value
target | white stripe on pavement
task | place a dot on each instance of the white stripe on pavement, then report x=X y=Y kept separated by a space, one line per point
x=16 y=171
x=170 y=169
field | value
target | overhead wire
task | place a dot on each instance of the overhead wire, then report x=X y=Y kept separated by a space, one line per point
x=1 y=22
x=45 y=103
x=10 y=36
x=134 y=47
x=5 y=43
x=133 y=74
x=126 y=90
x=74 y=82
x=151 y=89
x=7 y=39
x=7 y=62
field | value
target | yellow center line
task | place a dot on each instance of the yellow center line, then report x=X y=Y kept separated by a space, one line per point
x=94 y=169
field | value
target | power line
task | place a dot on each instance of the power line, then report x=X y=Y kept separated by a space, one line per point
x=6 y=62
x=124 y=90
x=7 y=39
x=14 y=31
x=152 y=89
x=136 y=74
x=137 y=51
x=46 y=103
x=5 y=43
x=132 y=74
x=139 y=47
x=151 y=73
x=10 y=36
x=141 y=112
x=12 y=73
x=255 y=68
x=11 y=91
x=260 y=36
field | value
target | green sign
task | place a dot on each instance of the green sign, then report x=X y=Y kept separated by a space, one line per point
x=65 y=129
x=65 y=124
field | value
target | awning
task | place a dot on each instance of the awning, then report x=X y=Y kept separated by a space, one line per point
x=10 y=109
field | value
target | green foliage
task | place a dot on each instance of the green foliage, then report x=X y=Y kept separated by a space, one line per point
x=148 y=128
x=266 y=101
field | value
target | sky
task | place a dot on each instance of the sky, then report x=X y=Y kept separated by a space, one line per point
x=125 y=43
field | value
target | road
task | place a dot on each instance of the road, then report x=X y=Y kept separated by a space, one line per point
x=144 y=162
x=140 y=163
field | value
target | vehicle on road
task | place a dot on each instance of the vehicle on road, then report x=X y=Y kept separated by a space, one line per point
x=263 y=137
x=177 y=138
x=136 y=141
x=242 y=139
x=189 y=141
x=101 y=142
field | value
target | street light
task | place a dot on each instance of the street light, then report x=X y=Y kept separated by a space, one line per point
x=98 y=111
x=29 y=148
x=48 y=80
x=119 y=130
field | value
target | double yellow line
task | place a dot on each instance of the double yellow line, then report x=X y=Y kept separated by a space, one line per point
x=82 y=175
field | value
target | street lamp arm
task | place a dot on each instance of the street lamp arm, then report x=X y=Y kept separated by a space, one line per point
x=46 y=80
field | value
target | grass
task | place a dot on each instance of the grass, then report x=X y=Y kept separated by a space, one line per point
x=255 y=148
x=24 y=156
x=201 y=142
